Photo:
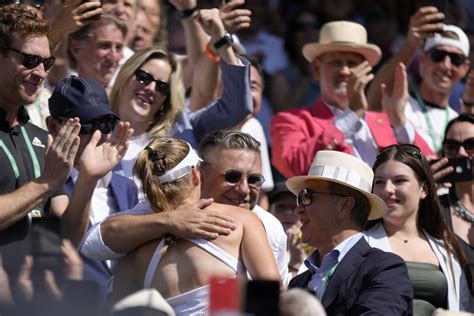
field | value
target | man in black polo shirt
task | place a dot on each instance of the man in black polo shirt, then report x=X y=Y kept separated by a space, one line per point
x=33 y=166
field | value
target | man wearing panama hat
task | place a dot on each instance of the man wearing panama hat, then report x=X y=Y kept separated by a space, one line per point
x=346 y=274
x=342 y=61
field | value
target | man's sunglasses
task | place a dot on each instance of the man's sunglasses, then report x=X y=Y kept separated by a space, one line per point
x=145 y=78
x=305 y=197
x=254 y=180
x=31 y=61
x=451 y=146
x=438 y=55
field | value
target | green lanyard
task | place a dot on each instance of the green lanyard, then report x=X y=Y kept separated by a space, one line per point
x=326 y=279
x=437 y=145
x=36 y=165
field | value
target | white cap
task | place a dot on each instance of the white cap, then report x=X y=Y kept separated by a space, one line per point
x=462 y=43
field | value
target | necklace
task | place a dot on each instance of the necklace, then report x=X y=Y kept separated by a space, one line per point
x=463 y=212
x=405 y=241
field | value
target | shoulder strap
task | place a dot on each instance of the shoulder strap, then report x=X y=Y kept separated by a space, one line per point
x=219 y=253
x=155 y=260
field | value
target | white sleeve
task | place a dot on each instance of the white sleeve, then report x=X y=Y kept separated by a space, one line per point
x=93 y=246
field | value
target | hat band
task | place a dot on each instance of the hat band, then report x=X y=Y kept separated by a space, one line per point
x=182 y=168
x=341 y=174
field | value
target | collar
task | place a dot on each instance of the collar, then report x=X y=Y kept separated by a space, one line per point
x=428 y=103
x=22 y=117
x=313 y=261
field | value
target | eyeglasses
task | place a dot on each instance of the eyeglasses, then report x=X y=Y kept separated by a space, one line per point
x=31 y=61
x=437 y=56
x=106 y=125
x=451 y=146
x=145 y=78
x=409 y=149
x=254 y=180
x=305 y=197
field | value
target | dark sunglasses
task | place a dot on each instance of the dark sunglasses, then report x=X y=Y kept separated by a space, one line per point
x=451 y=146
x=305 y=197
x=31 y=61
x=437 y=56
x=106 y=125
x=145 y=78
x=254 y=180
x=409 y=149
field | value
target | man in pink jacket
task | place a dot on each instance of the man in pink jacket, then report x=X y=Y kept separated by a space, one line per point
x=342 y=61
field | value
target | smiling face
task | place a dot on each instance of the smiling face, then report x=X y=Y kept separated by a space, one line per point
x=139 y=103
x=214 y=185
x=18 y=84
x=333 y=70
x=98 y=57
x=397 y=185
x=440 y=77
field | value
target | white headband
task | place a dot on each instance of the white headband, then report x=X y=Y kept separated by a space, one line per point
x=182 y=168
x=462 y=43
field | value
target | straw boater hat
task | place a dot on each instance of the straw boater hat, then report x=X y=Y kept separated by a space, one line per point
x=346 y=170
x=343 y=36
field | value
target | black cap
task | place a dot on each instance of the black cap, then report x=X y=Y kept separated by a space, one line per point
x=79 y=97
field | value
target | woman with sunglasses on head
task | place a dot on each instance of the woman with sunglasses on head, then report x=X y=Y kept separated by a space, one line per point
x=180 y=269
x=149 y=93
x=459 y=203
x=414 y=229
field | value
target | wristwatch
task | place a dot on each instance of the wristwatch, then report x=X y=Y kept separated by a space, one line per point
x=224 y=41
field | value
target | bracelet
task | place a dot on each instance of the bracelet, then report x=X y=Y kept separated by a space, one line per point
x=187 y=13
x=213 y=57
x=467 y=103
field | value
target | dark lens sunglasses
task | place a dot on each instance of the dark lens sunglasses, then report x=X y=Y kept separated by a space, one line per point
x=451 y=146
x=106 y=125
x=437 y=56
x=305 y=197
x=409 y=149
x=145 y=78
x=31 y=61
x=254 y=180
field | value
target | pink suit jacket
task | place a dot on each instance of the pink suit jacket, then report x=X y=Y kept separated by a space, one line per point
x=297 y=134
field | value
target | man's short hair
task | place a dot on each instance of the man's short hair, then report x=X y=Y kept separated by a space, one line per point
x=86 y=32
x=299 y=302
x=360 y=212
x=20 y=21
x=228 y=139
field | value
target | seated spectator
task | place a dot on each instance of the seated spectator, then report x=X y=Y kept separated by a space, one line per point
x=180 y=268
x=347 y=275
x=438 y=269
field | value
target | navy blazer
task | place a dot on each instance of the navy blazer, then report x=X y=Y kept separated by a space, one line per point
x=125 y=193
x=367 y=281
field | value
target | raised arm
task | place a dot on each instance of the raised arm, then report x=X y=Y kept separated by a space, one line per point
x=95 y=162
x=122 y=233
x=423 y=24
x=58 y=164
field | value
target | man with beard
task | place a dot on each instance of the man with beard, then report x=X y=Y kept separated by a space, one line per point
x=342 y=61
x=231 y=174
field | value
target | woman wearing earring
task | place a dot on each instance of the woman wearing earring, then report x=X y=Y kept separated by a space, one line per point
x=459 y=203
x=149 y=93
x=414 y=229
x=180 y=268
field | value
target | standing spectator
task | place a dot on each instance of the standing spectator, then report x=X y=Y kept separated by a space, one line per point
x=342 y=61
x=34 y=166
x=347 y=275
x=443 y=63
x=95 y=50
x=231 y=174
